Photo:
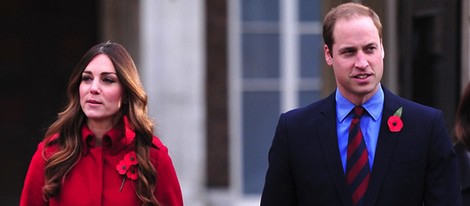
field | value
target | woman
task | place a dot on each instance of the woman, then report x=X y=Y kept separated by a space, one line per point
x=462 y=146
x=101 y=149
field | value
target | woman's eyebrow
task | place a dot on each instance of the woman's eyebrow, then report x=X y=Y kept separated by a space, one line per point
x=108 y=73
x=102 y=73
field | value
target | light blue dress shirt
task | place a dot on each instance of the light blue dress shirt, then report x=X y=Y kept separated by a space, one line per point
x=370 y=123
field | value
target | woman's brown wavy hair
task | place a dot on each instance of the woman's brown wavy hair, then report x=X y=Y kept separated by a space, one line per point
x=462 y=121
x=69 y=123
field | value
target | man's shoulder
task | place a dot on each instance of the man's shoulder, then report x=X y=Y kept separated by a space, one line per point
x=409 y=105
x=417 y=106
x=421 y=110
x=325 y=105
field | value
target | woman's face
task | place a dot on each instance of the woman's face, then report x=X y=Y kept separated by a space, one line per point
x=100 y=90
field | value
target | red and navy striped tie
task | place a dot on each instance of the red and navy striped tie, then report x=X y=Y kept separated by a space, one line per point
x=357 y=165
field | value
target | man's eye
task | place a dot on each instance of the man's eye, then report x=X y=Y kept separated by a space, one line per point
x=348 y=52
x=370 y=49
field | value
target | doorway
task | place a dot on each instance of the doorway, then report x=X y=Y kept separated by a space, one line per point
x=429 y=36
x=41 y=41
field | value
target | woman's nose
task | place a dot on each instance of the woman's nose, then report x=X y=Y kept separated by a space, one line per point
x=95 y=87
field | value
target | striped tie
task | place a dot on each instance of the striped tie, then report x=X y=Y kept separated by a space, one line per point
x=357 y=166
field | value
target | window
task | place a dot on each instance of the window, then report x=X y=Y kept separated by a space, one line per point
x=275 y=62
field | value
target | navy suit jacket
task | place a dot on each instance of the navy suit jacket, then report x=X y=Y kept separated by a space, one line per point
x=413 y=166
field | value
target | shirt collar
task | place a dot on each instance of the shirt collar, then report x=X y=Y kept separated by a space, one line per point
x=373 y=106
x=115 y=139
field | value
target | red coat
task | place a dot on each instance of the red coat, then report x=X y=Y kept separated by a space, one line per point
x=94 y=180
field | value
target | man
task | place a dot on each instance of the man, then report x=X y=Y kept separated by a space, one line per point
x=362 y=145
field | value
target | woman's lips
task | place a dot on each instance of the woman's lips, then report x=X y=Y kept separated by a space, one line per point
x=93 y=101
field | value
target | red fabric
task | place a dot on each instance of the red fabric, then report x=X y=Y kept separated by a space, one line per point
x=94 y=180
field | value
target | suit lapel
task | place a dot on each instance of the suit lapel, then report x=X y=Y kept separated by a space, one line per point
x=385 y=148
x=329 y=144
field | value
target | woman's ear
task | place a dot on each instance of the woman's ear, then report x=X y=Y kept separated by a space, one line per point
x=125 y=99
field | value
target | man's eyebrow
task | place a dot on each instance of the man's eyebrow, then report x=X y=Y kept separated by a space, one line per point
x=348 y=48
x=371 y=44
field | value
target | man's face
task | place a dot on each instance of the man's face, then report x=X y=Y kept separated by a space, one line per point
x=356 y=57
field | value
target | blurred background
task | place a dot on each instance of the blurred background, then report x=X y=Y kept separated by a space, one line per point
x=218 y=74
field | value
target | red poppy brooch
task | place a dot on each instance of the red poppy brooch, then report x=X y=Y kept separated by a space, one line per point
x=394 y=122
x=128 y=168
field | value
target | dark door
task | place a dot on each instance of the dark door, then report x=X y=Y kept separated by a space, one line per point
x=40 y=43
x=429 y=36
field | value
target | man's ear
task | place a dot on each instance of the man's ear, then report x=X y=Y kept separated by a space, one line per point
x=383 y=50
x=328 y=57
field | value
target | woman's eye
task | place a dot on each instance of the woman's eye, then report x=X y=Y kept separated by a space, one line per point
x=86 y=78
x=108 y=80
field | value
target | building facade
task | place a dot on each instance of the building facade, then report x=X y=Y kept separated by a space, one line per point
x=219 y=72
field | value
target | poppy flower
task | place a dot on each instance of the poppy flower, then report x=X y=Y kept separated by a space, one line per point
x=394 y=122
x=131 y=158
x=128 y=168
x=122 y=167
x=132 y=173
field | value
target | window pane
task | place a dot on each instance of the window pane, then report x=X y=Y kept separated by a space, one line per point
x=308 y=97
x=260 y=10
x=311 y=55
x=260 y=55
x=260 y=114
x=309 y=10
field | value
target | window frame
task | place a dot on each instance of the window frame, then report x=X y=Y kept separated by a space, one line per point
x=289 y=83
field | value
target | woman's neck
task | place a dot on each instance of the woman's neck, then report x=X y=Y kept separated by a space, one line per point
x=99 y=129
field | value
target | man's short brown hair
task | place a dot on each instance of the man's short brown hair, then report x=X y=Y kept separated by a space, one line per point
x=347 y=11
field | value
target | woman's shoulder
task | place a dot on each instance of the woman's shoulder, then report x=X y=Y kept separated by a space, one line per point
x=50 y=145
x=157 y=143
x=159 y=151
x=158 y=147
x=462 y=151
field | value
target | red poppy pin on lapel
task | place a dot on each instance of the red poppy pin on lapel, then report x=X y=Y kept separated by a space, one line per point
x=127 y=167
x=394 y=122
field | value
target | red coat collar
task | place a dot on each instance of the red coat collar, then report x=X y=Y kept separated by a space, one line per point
x=114 y=140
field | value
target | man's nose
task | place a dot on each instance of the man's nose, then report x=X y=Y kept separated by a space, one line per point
x=361 y=60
